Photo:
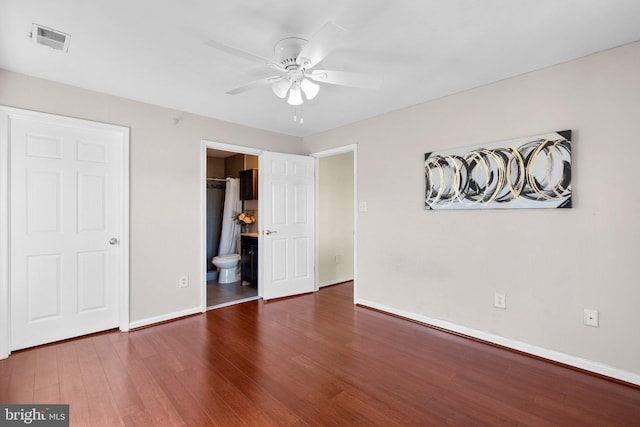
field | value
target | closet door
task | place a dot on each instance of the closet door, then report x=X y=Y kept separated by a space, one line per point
x=65 y=193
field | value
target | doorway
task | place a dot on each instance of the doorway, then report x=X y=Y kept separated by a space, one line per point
x=285 y=261
x=337 y=220
x=230 y=225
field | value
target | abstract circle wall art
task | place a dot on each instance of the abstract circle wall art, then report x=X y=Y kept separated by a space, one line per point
x=531 y=172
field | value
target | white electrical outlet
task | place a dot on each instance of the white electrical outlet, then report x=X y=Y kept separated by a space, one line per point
x=499 y=300
x=362 y=207
x=183 y=280
x=590 y=317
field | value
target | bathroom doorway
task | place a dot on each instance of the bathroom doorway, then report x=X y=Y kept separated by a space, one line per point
x=231 y=222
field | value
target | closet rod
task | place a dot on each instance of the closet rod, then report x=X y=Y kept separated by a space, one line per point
x=217 y=179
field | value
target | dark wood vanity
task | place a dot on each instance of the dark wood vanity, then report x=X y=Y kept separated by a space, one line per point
x=249 y=258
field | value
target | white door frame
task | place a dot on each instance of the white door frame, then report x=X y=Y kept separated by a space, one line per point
x=203 y=208
x=327 y=153
x=5 y=220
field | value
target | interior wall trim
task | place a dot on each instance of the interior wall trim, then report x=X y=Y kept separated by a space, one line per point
x=165 y=317
x=5 y=295
x=553 y=356
x=335 y=282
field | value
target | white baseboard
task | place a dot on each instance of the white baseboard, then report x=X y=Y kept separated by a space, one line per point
x=544 y=353
x=163 y=318
x=234 y=302
x=335 y=282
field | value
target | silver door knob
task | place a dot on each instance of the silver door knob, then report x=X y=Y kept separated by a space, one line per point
x=267 y=232
x=113 y=241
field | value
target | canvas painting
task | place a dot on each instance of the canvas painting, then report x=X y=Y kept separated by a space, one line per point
x=531 y=172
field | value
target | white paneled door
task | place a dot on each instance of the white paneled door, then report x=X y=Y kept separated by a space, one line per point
x=65 y=198
x=287 y=223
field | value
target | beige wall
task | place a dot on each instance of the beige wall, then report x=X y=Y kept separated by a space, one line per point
x=335 y=219
x=165 y=168
x=551 y=264
x=445 y=265
x=250 y=162
x=215 y=167
x=233 y=165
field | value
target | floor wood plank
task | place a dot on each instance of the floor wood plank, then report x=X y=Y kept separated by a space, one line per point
x=310 y=360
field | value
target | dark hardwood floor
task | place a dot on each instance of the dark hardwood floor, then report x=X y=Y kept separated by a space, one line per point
x=310 y=360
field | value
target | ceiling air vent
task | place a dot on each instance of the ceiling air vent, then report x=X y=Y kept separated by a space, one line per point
x=50 y=37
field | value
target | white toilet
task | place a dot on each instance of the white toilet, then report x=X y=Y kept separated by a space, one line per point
x=228 y=265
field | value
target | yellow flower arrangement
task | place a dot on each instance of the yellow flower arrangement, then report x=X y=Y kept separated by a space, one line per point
x=243 y=218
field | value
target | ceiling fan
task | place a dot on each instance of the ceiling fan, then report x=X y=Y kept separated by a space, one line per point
x=294 y=59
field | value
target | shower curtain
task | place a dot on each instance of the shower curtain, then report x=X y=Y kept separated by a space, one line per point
x=215 y=205
x=230 y=229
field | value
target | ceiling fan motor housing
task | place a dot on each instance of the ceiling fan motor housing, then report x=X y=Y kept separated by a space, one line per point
x=287 y=51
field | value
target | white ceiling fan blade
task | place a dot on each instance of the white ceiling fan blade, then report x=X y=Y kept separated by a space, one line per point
x=254 y=85
x=321 y=44
x=243 y=54
x=345 y=78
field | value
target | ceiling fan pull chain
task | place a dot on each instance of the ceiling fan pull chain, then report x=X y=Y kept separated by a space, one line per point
x=297 y=114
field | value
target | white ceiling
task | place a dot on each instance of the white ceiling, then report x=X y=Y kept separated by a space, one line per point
x=154 y=50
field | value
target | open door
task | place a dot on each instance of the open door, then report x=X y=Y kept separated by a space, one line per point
x=287 y=224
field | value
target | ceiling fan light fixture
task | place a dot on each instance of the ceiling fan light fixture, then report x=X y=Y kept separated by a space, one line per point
x=295 y=95
x=309 y=88
x=281 y=87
